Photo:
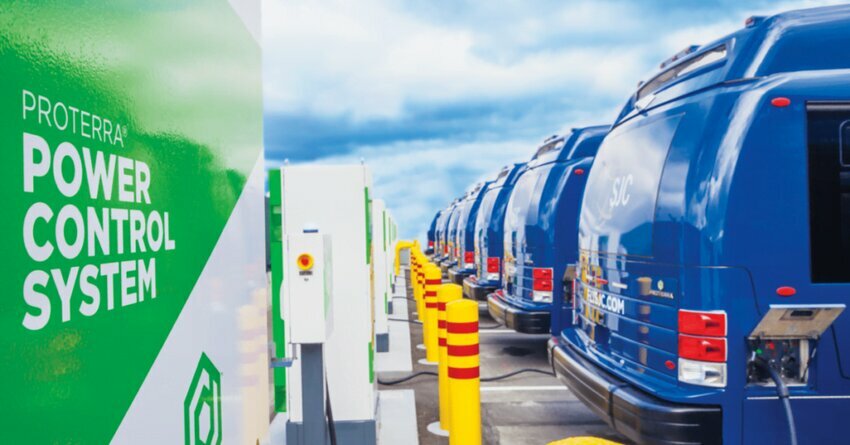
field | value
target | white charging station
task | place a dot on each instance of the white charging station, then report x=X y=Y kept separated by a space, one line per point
x=308 y=293
x=380 y=278
x=308 y=309
x=335 y=199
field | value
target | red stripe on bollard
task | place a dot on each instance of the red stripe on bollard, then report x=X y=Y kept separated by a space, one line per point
x=430 y=293
x=441 y=306
x=462 y=350
x=434 y=282
x=462 y=328
x=431 y=305
x=463 y=373
x=441 y=323
x=441 y=341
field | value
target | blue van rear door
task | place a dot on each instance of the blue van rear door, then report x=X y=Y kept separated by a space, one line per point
x=618 y=209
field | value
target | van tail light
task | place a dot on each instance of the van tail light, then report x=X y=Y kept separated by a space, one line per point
x=430 y=244
x=702 y=373
x=710 y=324
x=542 y=272
x=706 y=349
x=469 y=259
x=703 y=347
x=542 y=284
x=493 y=264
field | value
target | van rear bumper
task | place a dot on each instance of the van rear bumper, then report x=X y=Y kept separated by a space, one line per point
x=444 y=267
x=457 y=276
x=633 y=413
x=475 y=290
x=522 y=321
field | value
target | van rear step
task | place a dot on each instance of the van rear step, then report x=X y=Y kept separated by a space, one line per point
x=522 y=321
x=474 y=290
x=457 y=275
x=639 y=416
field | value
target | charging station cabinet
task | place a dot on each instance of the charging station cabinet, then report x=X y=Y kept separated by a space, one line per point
x=334 y=199
x=308 y=293
x=308 y=308
x=380 y=279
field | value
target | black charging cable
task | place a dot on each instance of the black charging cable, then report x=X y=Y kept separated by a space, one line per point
x=494 y=326
x=782 y=392
x=483 y=379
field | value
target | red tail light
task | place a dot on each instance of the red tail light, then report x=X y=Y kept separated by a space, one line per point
x=543 y=285
x=493 y=265
x=445 y=250
x=712 y=324
x=542 y=273
x=469 y=257
x=542 y=279
x=430 y=244
x=704 y=349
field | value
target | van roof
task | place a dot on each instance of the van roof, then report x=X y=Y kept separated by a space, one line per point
x=800 y=40
x=578 y=143
x=507 y=175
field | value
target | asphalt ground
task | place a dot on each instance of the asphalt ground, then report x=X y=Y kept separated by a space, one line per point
x=526 y=409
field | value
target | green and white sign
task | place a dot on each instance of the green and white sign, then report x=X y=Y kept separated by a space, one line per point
x=202 y=406
x=133 y=223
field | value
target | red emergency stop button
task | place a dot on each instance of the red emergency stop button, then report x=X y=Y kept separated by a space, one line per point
x=305 y=261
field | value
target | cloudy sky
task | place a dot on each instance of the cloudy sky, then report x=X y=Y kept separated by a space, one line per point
x=436 y=95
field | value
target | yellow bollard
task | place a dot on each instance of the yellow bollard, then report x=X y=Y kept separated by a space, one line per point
x=414 y=278
x=446 y=293
x=420 y=285
x=463 y=372
x=432 y=282
x=401 y=245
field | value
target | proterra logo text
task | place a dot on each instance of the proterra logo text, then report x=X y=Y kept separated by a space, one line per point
x=202 y=406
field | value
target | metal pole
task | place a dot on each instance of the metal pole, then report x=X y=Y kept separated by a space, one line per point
x=315 y=424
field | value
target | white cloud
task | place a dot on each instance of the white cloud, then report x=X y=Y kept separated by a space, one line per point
x=416 y=178
x=369 y=60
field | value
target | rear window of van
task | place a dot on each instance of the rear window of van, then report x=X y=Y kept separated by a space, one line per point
x=618 y=210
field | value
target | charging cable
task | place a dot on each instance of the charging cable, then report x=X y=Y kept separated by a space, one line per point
x=782 y=392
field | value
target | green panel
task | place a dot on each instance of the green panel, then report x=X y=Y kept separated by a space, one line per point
x=371 y=363
x=276 y=248
x=384 y=229
x=368 y=207
x=179 y=83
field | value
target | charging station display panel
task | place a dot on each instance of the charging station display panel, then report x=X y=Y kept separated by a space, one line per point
x=134 y=306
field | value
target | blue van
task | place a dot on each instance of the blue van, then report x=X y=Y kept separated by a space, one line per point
x=441 y=233
x=489 y=236
x=541 y=222
x=450 y=259
x=465 y=237
x=714 y=239
x=432 y=234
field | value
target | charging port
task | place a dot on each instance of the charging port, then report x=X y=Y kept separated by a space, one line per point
x=789 y=358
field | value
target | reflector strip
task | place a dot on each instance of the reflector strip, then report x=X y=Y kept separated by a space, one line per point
x=462 y=328
x=464 y=373
x=462 y=350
